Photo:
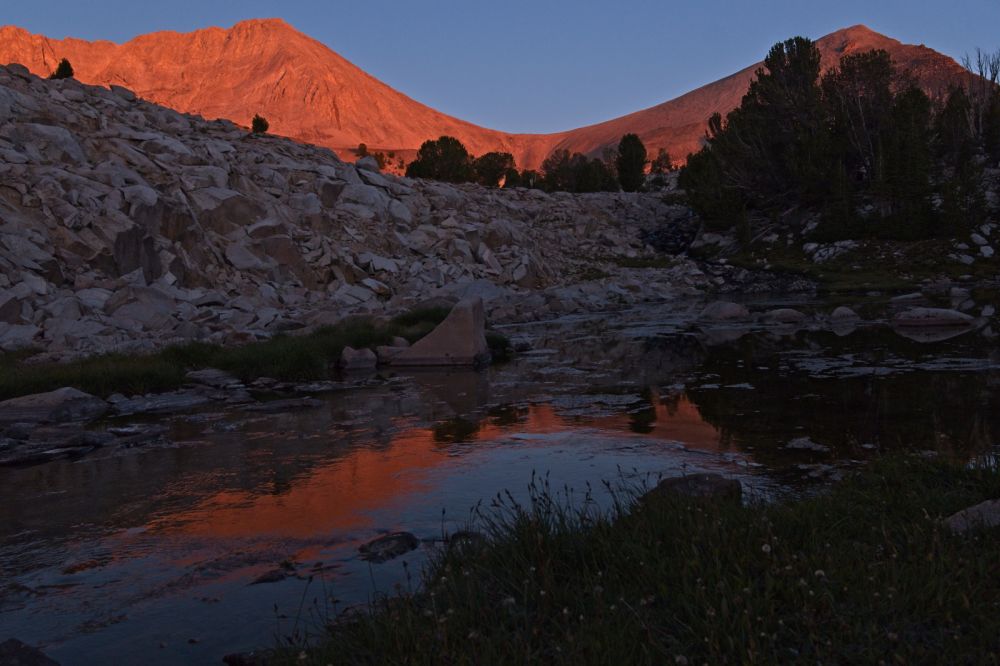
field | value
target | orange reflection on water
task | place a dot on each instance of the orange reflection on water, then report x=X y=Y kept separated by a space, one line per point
x=677 y=420
x=326 y=499
x=336 y=496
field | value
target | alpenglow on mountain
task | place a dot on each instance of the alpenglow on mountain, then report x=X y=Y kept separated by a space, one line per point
x=312 y=94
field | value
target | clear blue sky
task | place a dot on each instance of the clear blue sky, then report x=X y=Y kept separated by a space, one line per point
x=541 y=65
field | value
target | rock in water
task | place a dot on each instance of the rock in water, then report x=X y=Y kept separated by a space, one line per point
x=844 y=314
x=938 y=317
x=15 y=653
x=59 y=406
x=697 y=486
x=724 y=311
x=784 y=316
x=358 y=359
x=389 y=547
x=459 y=340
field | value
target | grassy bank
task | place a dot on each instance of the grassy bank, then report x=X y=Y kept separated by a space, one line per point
x=284 y=357
x=864 y=574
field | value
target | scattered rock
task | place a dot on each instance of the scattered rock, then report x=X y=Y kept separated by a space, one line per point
x=388 y=547
x=163 y=228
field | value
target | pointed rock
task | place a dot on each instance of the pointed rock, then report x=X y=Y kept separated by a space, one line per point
x=459 y=340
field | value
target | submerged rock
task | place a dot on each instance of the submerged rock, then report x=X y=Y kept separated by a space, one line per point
x=388 y=547
x=15 y=653
x=459 y=340
x=698 y=486
x=60 y=406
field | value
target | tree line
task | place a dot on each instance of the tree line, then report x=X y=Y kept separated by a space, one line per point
x=624 y=168
x=863 y=144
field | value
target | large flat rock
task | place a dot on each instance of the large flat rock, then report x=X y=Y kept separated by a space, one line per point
x=459 y=340
x=60 y=406
x=932 y=317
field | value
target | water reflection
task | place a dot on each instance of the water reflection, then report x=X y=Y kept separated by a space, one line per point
x=116 y=554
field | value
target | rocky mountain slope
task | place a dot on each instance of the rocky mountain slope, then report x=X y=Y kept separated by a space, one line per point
x=310 y=93
x=125 y=225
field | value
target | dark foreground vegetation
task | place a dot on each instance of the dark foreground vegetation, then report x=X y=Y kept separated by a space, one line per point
x=864 y=574
x=284 y=357
x=863 y=145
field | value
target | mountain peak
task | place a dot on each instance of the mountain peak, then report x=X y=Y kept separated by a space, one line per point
x=267 y=24
x=312 y=94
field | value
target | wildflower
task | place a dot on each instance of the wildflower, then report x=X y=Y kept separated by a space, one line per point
x=766 y=549
x=473 y=635
x=565 y=611
x=820 y=573
x=509 y=601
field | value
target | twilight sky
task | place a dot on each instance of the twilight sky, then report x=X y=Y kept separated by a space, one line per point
x=541 y=65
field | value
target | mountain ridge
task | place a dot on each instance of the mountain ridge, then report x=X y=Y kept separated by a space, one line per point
x=311 y=93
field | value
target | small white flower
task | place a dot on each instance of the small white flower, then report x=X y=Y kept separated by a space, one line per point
x=766 y=549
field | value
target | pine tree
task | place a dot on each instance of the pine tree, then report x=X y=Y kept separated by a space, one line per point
x=259 y=124
x=631 y=163
x=64 y=70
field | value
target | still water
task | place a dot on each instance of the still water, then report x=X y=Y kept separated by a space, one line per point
x=150 y=555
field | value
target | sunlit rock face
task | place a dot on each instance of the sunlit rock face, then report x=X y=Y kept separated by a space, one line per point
x=310 y=93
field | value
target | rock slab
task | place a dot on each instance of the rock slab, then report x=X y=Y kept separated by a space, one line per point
x=459 y=340
x=60 y=406
x=932 y=317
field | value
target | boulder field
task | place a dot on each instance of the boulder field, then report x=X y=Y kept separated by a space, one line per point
x=127 y=226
